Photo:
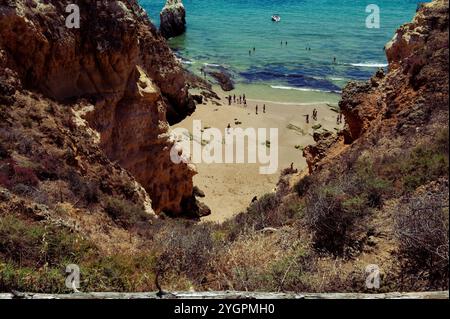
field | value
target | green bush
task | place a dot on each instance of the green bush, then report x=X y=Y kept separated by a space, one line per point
x=125 y=213
x=48 y=280
x=288 y=273
x=424 y=164
x=330 y=215
x=120 y=272
x=367 y=185
x=302 y=186
x=257 y=216
x=33 y=256
x=185 y=249
x=32 y=244
x=88 y=190
x=333 y=211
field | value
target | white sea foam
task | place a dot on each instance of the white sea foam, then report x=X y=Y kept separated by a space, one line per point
x=212 y=65
x=183 y=61
x=336 y=79
x=290 y=103
x=370 y=65
x=280 y=87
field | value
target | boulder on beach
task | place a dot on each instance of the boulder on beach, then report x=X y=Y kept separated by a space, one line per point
x=173 y=19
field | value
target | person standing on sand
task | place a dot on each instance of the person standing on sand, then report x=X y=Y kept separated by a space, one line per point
x=245 y=103
x=315 y=114
x=256 y=109
x=228 y=128
x=240 y=99
x=264 y=108
x=234 y=98
x=307 y=118
x=229 y=99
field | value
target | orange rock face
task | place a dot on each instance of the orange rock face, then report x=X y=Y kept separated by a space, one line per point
x=404 y=105
x=119 y=64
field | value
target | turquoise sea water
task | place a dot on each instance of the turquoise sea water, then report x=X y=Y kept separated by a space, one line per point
x=221 y=32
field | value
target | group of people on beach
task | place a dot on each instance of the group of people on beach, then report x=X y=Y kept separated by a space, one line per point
x=234 y=99
x=241 y=99
x=264 y=109
x=314 y=116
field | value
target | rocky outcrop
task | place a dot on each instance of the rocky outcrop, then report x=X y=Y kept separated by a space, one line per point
x=224 y=80
x=130 y=83
x=173 y=19
x=315 y=153
x=406 y=103
x=361 y=103
x=221 y=75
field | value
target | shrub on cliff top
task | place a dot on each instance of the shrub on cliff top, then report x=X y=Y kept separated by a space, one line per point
x=422 y=164
x=11 y=174
x=333 y=210
x=124 y=212
x=422 y=226
x=184 y=249
x=27 y=243
x=255 y=218
x=302 y=186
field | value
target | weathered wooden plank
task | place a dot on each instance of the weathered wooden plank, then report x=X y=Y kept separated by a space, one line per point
x=229 y=295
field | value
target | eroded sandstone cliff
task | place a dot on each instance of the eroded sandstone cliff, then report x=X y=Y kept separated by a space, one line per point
x=120 y=67
x=403 y=107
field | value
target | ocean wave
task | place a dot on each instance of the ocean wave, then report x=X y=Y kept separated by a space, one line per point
x=281 y=87
x=290 y=103
x=336 y=79
x=185 y=61
x=331 y=78
x=289 y=79
x=212 y=65
x=370 y=65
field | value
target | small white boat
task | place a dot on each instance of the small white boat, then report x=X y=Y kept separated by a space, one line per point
x=276 y=18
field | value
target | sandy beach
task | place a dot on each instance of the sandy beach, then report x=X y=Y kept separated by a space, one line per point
x=229 y=188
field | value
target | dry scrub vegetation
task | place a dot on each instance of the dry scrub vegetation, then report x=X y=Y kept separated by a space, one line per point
x=309 y=237
x=316 y=234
